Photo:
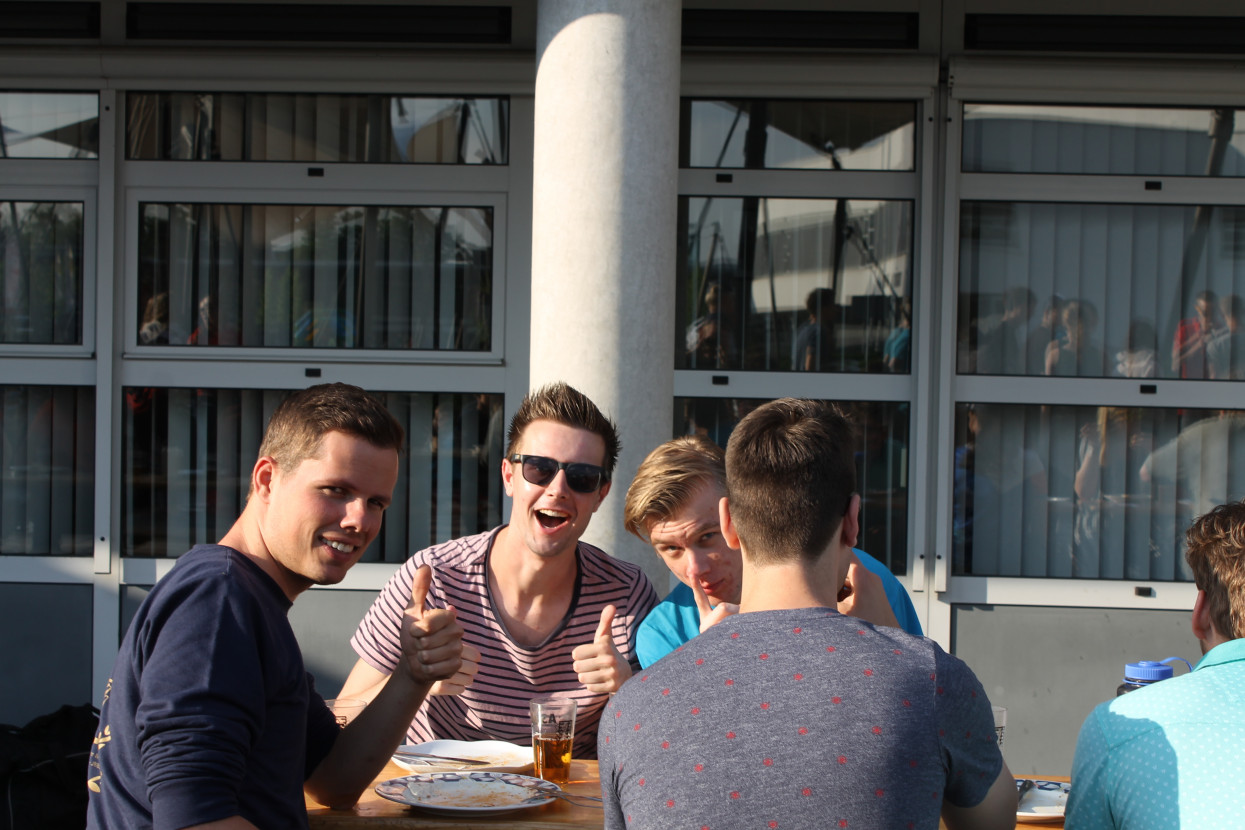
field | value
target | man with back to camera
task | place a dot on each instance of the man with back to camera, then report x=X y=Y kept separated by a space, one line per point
x=673 y=505
x=542 y=612
x=790 y=714
x=210 y=719
x=1169 y=755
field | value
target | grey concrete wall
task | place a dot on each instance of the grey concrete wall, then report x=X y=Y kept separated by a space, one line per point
x=1051 y=666
x=47 y=649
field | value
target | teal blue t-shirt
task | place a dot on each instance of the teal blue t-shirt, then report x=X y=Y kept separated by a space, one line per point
x=1168 y=755
x=676 y=619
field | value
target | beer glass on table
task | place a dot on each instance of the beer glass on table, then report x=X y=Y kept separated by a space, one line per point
x=553 y=730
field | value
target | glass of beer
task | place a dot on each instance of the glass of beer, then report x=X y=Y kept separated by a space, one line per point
x=553 y=730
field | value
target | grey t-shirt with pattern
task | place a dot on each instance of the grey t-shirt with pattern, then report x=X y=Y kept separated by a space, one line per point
x=797 y=718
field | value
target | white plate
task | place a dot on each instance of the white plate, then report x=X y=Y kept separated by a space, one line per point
x=500 y=755
x=1044 y=803
x=468 y=793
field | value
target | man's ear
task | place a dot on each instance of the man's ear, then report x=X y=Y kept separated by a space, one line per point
x=507 y=477
x=1203 y=627
x=850 y=529
x=262 y=477
x=729 y=533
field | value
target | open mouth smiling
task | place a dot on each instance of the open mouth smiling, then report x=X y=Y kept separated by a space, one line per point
x=551 y=519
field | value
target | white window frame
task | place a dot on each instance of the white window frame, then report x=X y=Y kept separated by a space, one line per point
x=1070 y=81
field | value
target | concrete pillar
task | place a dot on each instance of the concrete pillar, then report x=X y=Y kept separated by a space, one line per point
x=605 y=188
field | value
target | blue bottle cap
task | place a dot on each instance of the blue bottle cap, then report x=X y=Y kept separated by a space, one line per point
x=1147 y=671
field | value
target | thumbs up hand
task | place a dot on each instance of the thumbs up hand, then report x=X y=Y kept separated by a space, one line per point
x=600 y=667
x=431 y=639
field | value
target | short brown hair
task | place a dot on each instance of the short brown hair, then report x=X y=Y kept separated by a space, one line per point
x=565 y=405
x=790 y=475
x=666 y=480
x=297 y=427
x=1216 y=553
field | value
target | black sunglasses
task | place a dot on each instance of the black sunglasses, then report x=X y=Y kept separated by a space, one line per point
x=582 y=478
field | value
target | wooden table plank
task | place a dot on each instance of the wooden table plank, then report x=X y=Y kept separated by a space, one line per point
x=376 y=813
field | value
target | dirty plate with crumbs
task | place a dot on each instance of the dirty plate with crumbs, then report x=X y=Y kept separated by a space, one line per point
x=475 y=793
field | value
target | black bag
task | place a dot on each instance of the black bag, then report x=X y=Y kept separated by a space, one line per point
x=43 y=770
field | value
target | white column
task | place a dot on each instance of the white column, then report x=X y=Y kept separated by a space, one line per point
x=605 y=186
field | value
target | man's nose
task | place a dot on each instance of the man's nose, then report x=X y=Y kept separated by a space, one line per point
x=697 y=564
x=357 y=516
x=558 y=484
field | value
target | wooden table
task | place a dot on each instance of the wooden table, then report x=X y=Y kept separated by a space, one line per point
x=376 y=813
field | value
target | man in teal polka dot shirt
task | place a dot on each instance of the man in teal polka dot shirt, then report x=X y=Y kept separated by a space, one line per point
x=1170 y=755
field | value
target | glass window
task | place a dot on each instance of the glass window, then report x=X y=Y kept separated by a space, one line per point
x=881 y=463
x=316 y=276
x=1037 y=281
x=804 y=135
x=237 y=126
x=41 y=272
x=188 y=455
x=815 y=285
x=49 y=125
x=1098 y=140
x=1088 y=492
x=47 y=462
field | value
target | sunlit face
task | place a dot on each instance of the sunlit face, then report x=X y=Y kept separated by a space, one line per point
x=691 y=544
x=550 y=519
x=320 y=516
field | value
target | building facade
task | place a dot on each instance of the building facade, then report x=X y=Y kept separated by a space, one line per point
x=1008 y=236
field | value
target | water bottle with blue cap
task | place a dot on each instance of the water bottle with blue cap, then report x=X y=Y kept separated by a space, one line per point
x=1143 y=673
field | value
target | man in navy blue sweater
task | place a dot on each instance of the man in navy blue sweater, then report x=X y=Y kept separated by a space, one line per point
x=210 y=719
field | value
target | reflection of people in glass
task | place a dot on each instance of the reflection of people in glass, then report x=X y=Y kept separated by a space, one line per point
x=1075 y=353
x=1001 y=345
x=1192 y=335
x=1226 y=350
x=1048 y=330
x=1205 y=463
x=154 y=330
x=814 y=342
x=710 y=344
x=1109 y=457
x=897 y=349
x=205 y=333
x=1140 y=359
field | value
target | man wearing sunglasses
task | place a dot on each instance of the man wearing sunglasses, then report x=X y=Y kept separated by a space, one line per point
x=673 y=505
x=542 y=612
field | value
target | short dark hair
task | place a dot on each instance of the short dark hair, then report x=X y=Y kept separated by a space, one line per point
x=790 y=474
x=566 y=405
x=1216 y=554
x=668 y=477
x=296 y=429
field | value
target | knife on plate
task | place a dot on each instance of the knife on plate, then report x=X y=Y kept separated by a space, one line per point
x=1023 y=790
x=430 y=758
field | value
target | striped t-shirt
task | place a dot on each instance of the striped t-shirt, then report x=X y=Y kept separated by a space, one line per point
x=495 y=706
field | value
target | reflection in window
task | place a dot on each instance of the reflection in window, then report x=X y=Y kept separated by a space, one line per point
x=881 y=464
x=41 y=272
x=815 y=285
x=49 y=125
x=316 y=276
x=188 y=455
x=806 y=135
x=47 y=470
x=1037 y=282
x=377 y=129
x=1088 y=492
x=1094 y=140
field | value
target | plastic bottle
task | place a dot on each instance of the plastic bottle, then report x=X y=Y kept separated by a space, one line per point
x=1141 y=674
